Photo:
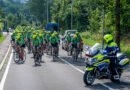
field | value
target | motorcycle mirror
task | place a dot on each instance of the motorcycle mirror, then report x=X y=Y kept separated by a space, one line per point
x=87 y=47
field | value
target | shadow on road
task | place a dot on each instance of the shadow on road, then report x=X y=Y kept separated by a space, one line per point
x=79 y=62
x=123 y=85
x=96 y=87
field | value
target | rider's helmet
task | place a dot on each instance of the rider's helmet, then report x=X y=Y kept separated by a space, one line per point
x=77 y=33
x=54 y=31
x=41 y=32
x=45 y=32
x=68 y=33
x=33 y=29
x=36 y=33
x=53 y=35
x=29 y=31
x=108 y=37
x=40 y=35
x=75 y=36
x=49 y=32
x=34 y=36
x=18 y=37
x=19 y=34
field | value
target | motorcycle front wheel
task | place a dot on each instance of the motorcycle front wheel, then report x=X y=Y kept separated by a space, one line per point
x=89 y=77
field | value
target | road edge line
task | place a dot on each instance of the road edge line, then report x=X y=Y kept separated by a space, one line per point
x=83 y=72
x=3 y=61
x=2 y=82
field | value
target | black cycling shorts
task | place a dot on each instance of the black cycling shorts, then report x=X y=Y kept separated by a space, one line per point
x=55 y=45
x=23 y=46
x=74 y=45
x=13 y=40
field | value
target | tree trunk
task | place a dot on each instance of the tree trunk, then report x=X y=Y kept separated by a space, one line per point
x=117 y=21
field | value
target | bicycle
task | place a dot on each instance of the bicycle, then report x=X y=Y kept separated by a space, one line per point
x=75 y=53
x=54 y=53
x=29 y=47
x=37 y=56
x=69 y=49
x=18 y=57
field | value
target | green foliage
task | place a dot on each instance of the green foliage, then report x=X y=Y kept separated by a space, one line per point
x=15 y=13
x=38 y=8
x=2 y=38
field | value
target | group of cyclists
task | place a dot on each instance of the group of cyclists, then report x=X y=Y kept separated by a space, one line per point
x=40 y=41
x=74 y=44
x=37 y=41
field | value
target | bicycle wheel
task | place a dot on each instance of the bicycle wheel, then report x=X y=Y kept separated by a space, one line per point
x=53 y=53
x=76 y=56
x=16 y=57
x=24 y=57
x=81 y=54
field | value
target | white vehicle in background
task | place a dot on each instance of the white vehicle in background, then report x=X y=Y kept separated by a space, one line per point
x=64 y=42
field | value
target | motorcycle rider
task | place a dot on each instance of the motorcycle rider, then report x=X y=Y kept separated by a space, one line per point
x=112 y=50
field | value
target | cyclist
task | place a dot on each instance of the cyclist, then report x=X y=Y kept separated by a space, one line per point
x=35 y=44
x=74 y=43
x=78 y=40
x=68 y=39
x=58 y=38
x=20 y=44
x=47 y=40
x=54 y=42
x=41 y=39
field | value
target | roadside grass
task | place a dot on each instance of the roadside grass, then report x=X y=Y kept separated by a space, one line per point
x=2 y=38
x=90 y=39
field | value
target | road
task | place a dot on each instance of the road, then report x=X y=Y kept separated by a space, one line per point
x=63 y=74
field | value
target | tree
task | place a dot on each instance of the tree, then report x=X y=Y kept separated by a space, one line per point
x=117 y=20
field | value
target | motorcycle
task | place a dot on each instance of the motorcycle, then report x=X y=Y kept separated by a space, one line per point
x=98 y=65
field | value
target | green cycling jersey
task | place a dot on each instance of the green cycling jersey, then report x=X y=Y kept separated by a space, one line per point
x=53 y=40
x=13 y=36
x=20 y=41
x=36 y=42
x=69 y=38
x=78 y=38
x=73 y=41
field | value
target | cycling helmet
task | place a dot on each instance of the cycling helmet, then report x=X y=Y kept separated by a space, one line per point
x=108 y=37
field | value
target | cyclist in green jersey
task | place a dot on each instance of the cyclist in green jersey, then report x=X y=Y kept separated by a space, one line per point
x=20 y=45
x=35 y=43
x=74 y=43
x=78 y=40
x=68 y=40
x=54 y=42
x=41 y=39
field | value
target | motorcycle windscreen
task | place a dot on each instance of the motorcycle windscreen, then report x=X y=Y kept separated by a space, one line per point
x=95 y=49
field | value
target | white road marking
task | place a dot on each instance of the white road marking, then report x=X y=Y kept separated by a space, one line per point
x=83 y=72
x=1 y=65
x=6 y=72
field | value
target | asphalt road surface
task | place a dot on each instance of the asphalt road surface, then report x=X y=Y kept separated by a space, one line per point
x=63 y=74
